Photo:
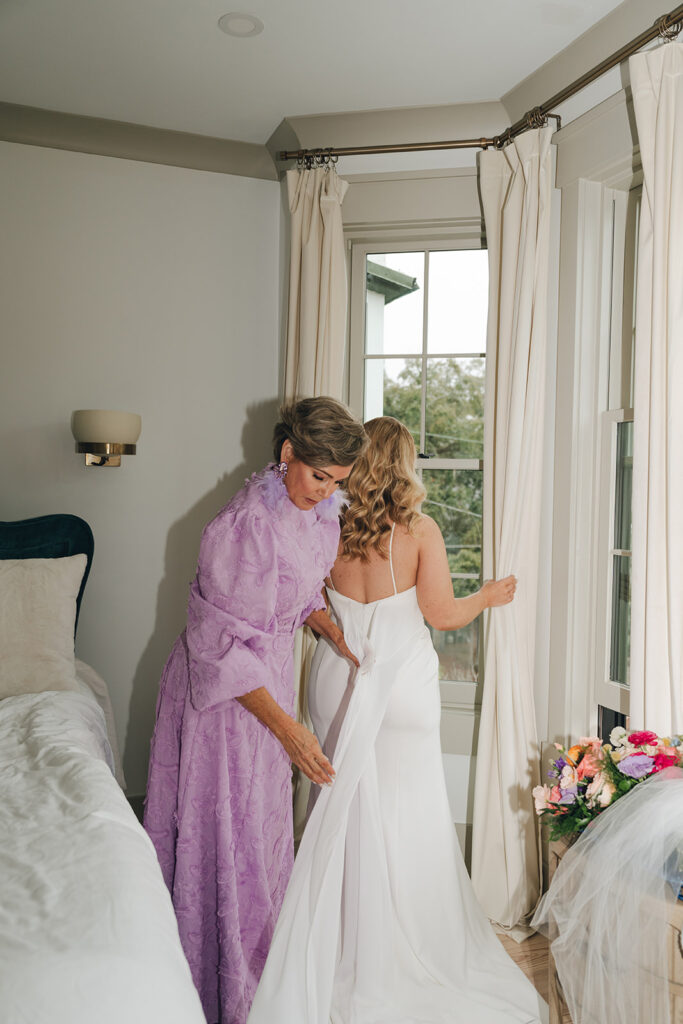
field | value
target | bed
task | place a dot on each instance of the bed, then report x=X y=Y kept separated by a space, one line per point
x=87 y=929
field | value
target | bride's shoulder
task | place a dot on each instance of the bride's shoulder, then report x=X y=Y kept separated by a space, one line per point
x=424 y=527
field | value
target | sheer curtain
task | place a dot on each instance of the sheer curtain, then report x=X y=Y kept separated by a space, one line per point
x=657 y=602
x=515 y=186
x=316 y=339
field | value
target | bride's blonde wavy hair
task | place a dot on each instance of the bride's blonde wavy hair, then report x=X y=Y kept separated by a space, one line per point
x=382 y=487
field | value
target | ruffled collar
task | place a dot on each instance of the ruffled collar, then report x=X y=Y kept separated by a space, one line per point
x=273 y=493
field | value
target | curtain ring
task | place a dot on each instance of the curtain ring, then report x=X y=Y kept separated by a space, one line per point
x=668 y=31
x=535 y=118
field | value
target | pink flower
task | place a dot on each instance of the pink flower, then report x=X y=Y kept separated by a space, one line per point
x=589 y=765
x=641 y=739
x=664 y=761
x=555 y=795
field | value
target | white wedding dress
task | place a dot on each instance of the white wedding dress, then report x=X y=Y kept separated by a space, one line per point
x=380 y=924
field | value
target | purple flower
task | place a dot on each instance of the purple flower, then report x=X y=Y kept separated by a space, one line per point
x=559 y=764
x=568 y=797
x=636 y=766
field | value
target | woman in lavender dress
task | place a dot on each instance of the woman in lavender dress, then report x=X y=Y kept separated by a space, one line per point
x=218 y=807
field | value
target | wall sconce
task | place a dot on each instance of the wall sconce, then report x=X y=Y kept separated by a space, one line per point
x=104 y=435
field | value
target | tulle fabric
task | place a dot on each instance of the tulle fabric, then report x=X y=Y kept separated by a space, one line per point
x=607 y=908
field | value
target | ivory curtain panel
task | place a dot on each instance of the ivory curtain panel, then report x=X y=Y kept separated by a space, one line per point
x=316 y=340
x=316 y=323
x=515 y=186
x=657 y=586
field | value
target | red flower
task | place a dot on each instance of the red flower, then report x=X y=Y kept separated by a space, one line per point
x=664 y=761
x=642 y=739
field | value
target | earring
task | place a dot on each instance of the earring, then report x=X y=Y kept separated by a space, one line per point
x=281 y=470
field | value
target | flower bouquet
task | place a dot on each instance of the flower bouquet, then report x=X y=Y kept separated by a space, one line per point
x=591 y=775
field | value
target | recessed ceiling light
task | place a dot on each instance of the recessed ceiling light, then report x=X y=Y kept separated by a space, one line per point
x=240 y=25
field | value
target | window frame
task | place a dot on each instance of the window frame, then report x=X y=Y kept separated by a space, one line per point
x=608 y=692
x=454 y=693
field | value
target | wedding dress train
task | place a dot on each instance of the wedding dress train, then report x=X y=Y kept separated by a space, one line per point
x=380 y=924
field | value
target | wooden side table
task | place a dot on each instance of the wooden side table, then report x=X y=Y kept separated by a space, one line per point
x=672 y=917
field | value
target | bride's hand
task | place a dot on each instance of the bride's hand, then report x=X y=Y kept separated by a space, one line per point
x=305 y=752
x=498 y=592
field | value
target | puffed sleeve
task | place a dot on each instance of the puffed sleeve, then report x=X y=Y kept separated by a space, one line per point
x=231 y=624
x=316 y=603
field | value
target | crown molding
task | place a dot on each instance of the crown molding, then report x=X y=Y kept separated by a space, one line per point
x=52 y=129
x=601 y=145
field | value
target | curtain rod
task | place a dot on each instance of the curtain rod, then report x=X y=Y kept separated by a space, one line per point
x=668 y=27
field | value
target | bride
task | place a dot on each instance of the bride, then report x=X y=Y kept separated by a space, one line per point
x=380 y=924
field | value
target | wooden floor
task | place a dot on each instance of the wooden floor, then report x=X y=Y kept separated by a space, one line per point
x=532 y=956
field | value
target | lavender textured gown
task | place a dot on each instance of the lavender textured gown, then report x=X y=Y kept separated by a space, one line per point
x=219 y=807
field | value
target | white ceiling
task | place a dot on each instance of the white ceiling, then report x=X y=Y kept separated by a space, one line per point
x=166 y=64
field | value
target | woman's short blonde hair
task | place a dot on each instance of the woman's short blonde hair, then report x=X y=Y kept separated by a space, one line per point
x=383 y=487
x=322 y=432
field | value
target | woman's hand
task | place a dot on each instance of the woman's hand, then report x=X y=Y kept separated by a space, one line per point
x=498 y=592
x=337 y=638
x=305 y=752
x=321 y=623
x=299 y=742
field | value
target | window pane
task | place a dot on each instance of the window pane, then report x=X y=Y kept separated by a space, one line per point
x=393 y=312
x=454 y=500
x=454 y=420
x=458 y=649
x=458 y=301
x=622 y=504
x=393 y=387
x=621 y=620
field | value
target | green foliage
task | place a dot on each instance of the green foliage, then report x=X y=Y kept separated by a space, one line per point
x=455 y=428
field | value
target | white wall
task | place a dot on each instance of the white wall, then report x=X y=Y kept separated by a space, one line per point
x=156 y=290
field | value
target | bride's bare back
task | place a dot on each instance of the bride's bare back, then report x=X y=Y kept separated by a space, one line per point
x=418 y=560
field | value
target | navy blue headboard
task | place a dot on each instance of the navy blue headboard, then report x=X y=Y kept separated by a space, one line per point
x=54 y=536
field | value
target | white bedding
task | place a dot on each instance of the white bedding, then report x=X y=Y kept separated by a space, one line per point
x=87 y=930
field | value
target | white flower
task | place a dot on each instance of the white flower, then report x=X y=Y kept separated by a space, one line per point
x=618 y=736
x=600 y=791
x=569 y=778
x=540 y=795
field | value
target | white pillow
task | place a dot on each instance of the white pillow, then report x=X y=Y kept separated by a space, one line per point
x=37 y=616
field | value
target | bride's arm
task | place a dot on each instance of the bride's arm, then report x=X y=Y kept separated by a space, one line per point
x=435 y=588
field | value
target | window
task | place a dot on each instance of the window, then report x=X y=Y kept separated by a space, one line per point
x=615 y=650
x=420 y=355
x=620 y=556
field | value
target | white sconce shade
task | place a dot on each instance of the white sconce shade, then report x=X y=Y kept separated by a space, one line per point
x=104 y=435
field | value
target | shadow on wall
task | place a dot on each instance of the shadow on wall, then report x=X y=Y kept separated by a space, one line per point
x=182 y=548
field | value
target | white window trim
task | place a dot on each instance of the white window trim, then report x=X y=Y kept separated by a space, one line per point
x=607 y=692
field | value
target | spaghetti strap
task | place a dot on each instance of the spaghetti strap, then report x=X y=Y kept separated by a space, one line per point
x=331 y=581
x=391 y=564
